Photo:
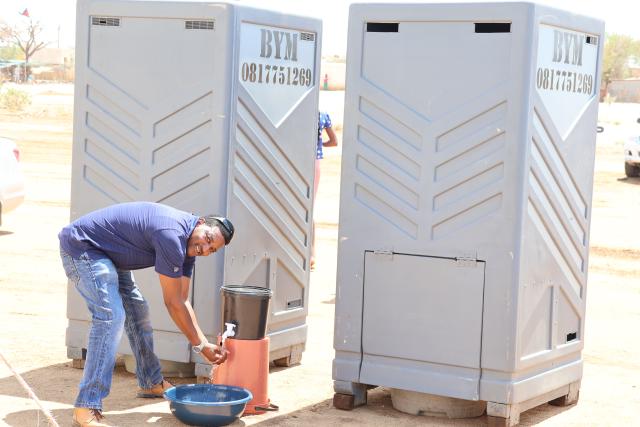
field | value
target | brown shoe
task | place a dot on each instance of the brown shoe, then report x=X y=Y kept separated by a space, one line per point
x=155 y=391
x=87 y=417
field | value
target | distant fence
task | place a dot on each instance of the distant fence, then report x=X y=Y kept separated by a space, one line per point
x=625 y=90
x=54 y=73
x=39 y=73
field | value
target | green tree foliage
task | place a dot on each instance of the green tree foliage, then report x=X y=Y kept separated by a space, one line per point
x=10 y=52
x=618 y=48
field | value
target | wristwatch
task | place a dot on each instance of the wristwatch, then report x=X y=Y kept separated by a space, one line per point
x=198 y=348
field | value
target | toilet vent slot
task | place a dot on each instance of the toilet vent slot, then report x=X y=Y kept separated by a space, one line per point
x=105 y=21
x=382 y=27
x=294 y=304
x=493 y=27
x=199 y=25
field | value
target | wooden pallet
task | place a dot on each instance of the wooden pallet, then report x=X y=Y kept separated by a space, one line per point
x=508 y=415
x=349 y=395
x=293 y=358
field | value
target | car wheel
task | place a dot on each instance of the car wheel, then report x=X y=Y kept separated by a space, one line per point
x=631 y=170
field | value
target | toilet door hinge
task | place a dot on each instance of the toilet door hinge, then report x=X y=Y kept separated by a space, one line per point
x=466 y=260
x=386 y=252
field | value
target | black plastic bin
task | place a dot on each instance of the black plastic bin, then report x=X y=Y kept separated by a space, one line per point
x=248 y=308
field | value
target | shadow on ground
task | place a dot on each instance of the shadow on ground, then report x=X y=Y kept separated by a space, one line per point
x=58 y=384
x=627 y=180
x=63 y=417
x=379 y=412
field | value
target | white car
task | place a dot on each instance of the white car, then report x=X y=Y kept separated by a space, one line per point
x=632 y=156
x=11 y=178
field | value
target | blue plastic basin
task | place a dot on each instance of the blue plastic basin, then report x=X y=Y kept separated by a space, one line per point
x=207 y=404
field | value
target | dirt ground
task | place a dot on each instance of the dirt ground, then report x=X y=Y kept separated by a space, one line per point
x=33 y=296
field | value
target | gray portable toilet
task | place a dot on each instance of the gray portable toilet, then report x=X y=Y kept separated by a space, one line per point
x=467 y=178
x=209 y=107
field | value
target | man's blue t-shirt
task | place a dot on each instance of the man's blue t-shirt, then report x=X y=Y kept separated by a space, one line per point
x=135 y=235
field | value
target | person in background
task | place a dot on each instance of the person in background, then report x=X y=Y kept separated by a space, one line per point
x=324 y=124
x=98 y=252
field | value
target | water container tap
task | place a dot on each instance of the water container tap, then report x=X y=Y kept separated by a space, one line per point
x=230 y=332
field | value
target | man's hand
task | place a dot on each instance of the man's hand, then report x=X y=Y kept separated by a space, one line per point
x=175 y=292
x=214 y=354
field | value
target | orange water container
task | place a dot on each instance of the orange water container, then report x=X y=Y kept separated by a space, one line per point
x=244 y=314
x=247 y=366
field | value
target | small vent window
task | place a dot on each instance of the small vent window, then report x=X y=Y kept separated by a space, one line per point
x=382 y=27
x=592 y=40
x=294 y=304
x=308 y=37
x=493 y=27
x=105 y=21
x=199 y=25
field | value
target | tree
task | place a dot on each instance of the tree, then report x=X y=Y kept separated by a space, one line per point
x=618 y=49
x=10 y=52
x=26 y=37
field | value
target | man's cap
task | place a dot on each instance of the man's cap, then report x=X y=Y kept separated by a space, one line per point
x=225 y=226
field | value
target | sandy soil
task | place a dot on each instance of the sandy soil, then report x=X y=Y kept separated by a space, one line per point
x=33 y=296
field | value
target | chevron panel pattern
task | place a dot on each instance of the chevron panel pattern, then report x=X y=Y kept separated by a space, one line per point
x=132 y=152
x=270 y=186
x=181 y=149
x=113 y=156
x=114 y=108
x=388 y=176
x=469 y=171
x=467 y=159
x=557 y=208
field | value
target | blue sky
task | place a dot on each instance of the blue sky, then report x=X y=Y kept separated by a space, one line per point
x=54 y=14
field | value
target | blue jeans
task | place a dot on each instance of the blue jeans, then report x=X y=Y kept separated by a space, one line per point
x=115 y=302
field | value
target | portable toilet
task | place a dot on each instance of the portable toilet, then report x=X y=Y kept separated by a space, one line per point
x=466 y=188
x=210 y=107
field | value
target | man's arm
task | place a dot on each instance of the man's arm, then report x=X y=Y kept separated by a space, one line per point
x=175 y=292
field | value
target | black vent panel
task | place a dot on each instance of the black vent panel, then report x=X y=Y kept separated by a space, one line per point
x=105 y=21
x=296 y=303
x=307 y=37
x=382 y=27
x=199 y=25
x=493 y=27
